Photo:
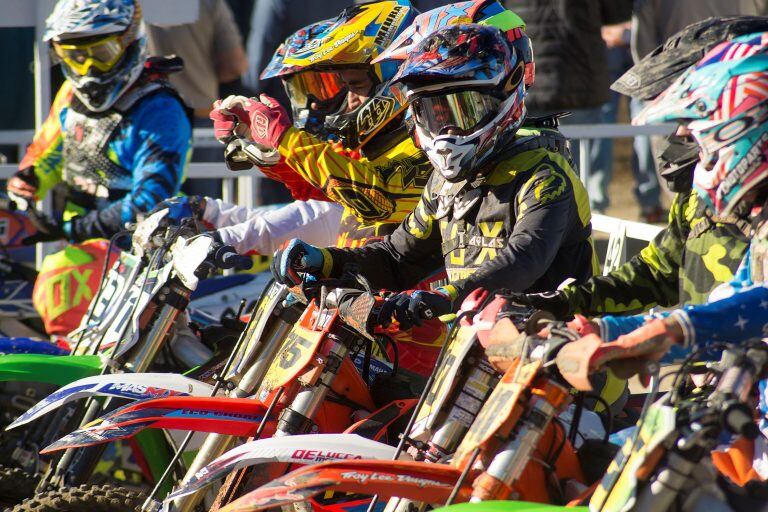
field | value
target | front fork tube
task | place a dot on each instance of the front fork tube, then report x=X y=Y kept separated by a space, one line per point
x=497 y=482
x=77 y=464
x=298 y=417
x=216 y=444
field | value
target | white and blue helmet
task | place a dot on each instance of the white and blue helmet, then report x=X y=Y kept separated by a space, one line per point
x=86 y=21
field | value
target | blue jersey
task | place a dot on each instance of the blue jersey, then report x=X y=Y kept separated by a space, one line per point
x=115 y=165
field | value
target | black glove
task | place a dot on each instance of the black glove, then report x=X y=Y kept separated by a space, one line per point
x=48 y=228
x=411 y=307
x=555 y=302
x=298 y=257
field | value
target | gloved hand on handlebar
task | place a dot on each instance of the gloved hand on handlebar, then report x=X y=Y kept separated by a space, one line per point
x=181 y=207
x=24 y=184
x=555 y=302
x=410 y=307
x=645 y=344
x=48 y=228
x=300 y=257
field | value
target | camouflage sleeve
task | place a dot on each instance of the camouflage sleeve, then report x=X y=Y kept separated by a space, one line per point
x=649 y=279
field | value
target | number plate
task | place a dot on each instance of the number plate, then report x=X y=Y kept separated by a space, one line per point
x=454 y=358
x=497 y=409
x=272 y=297
x=297 y=351
x=618 y=489
x=108 y=303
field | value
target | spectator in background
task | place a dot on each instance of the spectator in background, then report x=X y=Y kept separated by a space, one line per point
x=572 y=74
x=212 y=50
x=647 y=188
x=654 y=21
x=213 y=55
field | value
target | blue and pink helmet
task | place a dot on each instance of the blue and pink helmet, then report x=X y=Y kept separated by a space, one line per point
x=723 y=100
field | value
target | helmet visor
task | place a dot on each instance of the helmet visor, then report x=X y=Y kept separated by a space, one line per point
x=102 y=54
x=458 y=113
x=310 y=85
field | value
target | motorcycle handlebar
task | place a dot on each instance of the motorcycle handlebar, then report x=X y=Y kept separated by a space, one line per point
x=225 y=257
x=8 y=204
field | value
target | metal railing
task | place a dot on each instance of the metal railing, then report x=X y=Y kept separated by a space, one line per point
x=247 y=183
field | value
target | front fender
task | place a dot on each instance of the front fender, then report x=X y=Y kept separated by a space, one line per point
x=418 y=481
x=132 y=386
x=48 y=369
x=229 y=416
x=302 y=449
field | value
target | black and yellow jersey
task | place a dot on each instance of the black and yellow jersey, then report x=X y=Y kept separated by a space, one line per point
x=523 y=226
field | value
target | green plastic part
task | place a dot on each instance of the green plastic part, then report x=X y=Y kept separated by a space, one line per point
x=509 y=506
x=48 y=369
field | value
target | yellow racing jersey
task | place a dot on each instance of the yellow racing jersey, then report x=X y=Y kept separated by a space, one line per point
x=377 y=192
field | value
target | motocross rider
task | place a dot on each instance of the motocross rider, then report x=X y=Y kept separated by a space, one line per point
x=114 y=144
x=379 y=182
x=726 y=89
x=501 y=209
x=118 y=137
x=699 y=249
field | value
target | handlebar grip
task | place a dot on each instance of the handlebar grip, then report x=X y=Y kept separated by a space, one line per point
x=226 y=257
x=8 y=204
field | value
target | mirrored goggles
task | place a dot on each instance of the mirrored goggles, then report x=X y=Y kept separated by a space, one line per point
x=102 y=54
x=307 y=86
x=458 y=113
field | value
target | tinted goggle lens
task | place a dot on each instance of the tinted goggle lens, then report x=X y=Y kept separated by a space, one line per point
x=460 y=111
x=320 y=85
x=102 y=54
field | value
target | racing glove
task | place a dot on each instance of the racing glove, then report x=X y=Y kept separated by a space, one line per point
x=181 y=207
x=269 y=121
x=230 y=119
x=48 y=228
x=300 y=257
x=24 y=184
x=555 y=302
x=410 y=307
x=645 y=344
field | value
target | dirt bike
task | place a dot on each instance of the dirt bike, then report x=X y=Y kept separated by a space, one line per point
x=461 y=415
x=671 y=462
x=127 y=329
x=312 y=385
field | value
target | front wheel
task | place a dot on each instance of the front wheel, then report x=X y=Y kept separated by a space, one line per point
x=16 y=485
x=84 y=498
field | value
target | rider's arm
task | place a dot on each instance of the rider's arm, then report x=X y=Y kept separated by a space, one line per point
x=649 y=279
x=299 y=187
x=162 y=135
x=263 y=231
x=740 y=317
x=404 y=258
x=44 y=155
